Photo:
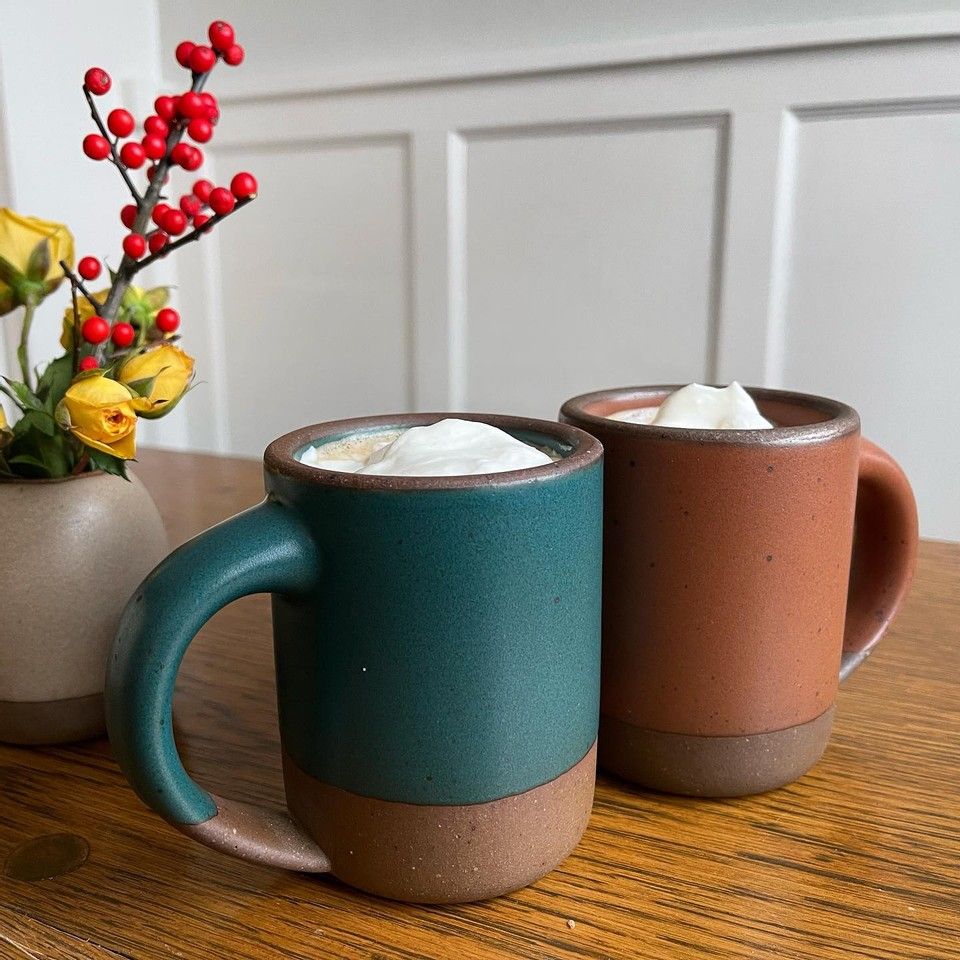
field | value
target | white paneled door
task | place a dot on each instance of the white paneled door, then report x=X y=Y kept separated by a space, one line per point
x=498 y=242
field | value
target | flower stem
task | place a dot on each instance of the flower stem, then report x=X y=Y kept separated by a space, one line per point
x=23 y=354
x=82 y=463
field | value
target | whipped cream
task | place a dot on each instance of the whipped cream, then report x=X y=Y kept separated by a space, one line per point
x=448 y=448
x=703 y=408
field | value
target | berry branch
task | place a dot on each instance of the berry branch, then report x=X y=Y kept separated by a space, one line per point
x=94 y=144
x=194 y=234
x=128 y=265
x=193 y=113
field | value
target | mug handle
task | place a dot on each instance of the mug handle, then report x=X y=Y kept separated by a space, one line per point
x=262 y=550
x=884 y=557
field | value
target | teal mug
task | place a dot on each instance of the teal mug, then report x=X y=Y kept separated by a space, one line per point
x=437 y=644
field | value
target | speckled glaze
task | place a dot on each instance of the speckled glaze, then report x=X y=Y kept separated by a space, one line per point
x=727 y=561
x=437 y=649
x=73 y=550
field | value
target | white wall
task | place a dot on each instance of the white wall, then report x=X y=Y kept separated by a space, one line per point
x=296 y=40
x=483 y=205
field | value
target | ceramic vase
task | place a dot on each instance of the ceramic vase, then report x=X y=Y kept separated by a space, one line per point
x=71 y=553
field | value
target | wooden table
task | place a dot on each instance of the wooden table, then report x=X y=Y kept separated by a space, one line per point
x=861 y=858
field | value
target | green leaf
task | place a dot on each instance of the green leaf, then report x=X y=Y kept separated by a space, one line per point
x=40 y=420
x=55 y=380
x=8 y=272
x=144 y=387
x=25 y=460
x=22 y=395
x=53 y=452
x=107 y=463
x=38 y=266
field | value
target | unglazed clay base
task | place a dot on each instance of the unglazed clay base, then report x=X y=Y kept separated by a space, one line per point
x=51 y=721
x=444 y=854
x=712 y=766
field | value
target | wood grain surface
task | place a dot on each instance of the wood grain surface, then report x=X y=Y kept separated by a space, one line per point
x=860 y=858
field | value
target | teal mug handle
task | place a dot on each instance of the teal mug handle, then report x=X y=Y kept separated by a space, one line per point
x=263 y=550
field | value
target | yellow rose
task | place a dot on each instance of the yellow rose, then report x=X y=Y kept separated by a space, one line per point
x=99 y=413
x=173 y=370
x=25 y=267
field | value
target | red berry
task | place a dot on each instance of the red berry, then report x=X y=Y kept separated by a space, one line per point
x=152 y=172
x=120 y=122
x=193 y=160
x=191 y=105
x=89 y=363
x=95 y=330
x=180 y=152
x=243 y=185
x=123 y=335
x=154 y=147
x=221 y=35
x=189 y=204
x=233 y=56
x=134 y=245
x=96 y=147
x=154 y=125
x=213 y=109
x=221 y=200
x=127 y=215
x=202 y=189
x=158 y=240
x=97 y=81
x=165 y=107
x=89 y=268
x=200 y=129
x=174 y=222
x=202 y=59
x=167 y=320
x=199 y=220
x=132 y=155
x=159 y=211
x=184 y=49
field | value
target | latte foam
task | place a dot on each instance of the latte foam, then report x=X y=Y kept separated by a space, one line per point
x=699 y=407
x=448 y=448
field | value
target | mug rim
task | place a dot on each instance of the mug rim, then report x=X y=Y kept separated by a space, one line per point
x=841 y=419
x=279 y=457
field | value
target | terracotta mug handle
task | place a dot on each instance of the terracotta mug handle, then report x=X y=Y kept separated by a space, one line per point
x=263 y=550
x=885 y=544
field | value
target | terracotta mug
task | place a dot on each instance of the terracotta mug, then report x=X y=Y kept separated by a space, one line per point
x=746 y=572
x=437 y=647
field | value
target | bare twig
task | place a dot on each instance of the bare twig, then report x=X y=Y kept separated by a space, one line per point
x=114 y=158
x=77 y=283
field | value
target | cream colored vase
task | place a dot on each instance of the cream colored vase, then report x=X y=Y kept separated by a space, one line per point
x=71 y=553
